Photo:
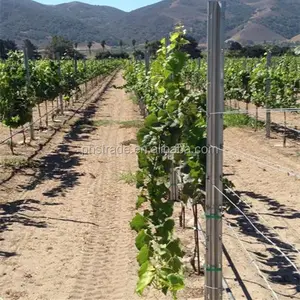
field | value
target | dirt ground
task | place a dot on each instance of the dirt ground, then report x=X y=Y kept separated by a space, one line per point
x=65 y=225
x=64 y=222
x=265 y=176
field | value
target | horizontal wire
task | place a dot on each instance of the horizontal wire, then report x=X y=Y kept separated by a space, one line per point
x=28 y=126
x=245 y=111
x=243 y=201
x=259 y=161
x=258 y=231
x=253 y=261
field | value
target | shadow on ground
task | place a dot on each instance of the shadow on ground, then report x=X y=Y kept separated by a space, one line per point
x=59 y=165
x=278 y=269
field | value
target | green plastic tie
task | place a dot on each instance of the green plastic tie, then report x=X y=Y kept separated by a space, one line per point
x=213 y=269
x=216 y=217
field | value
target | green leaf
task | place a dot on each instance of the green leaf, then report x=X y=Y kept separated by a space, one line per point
x=165 y=290
x=174 y=248
x=138 y=222
x=172 y=106
x=176 y=282
x=169 y=225
x=139 y=179
x=146 y=266
x=143 y=255
x=140 y=239
x=141 y=134
x=151 y=120
x=146 y=273
x=140 y=201
x=142 y=159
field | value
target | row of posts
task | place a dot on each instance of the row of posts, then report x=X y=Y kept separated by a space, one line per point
x=60 y=98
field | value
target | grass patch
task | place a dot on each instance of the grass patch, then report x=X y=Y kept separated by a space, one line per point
x=241 y=120
x=134 y=98
x=128 y=177
x=17 y=163
x=132 y=124
x=130 y=142
x=98 y=123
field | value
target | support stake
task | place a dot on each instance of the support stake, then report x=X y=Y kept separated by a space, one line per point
x=215 y=103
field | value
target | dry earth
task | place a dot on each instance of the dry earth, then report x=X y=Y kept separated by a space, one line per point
x=64 y=224
x=265 y=177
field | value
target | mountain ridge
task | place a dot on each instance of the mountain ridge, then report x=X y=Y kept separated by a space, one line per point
x=246 y=20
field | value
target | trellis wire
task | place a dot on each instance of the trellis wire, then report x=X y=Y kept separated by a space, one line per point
x=252 y=260
x=258 y=231
x=199 y=229
x=28 y=126
x=259 y=215
x=245 y=111
x=262 y=162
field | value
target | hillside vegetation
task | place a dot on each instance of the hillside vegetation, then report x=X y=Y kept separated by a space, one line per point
x=254 y=20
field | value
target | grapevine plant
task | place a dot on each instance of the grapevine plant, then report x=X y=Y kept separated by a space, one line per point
x=176 y=120
x=18 y=95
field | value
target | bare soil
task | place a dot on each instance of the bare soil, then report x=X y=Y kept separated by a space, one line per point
x=264 y=177
x=64 y=221
x=65 y=224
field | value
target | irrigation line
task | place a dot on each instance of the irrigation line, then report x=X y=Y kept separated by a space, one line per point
x=266 y=163
x=244 y=111
x=259 y=161
x=260 y=216
x=28 y=126
x=258 y=231
x=252 y=260
x=104 y=87
x=264 y=110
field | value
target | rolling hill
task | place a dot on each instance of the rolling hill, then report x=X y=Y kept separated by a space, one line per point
x=255 y=20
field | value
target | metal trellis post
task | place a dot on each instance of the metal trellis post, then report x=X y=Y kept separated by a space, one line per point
x=268 y=89
x=215 y=103
x=26 y=62
x=61 y=102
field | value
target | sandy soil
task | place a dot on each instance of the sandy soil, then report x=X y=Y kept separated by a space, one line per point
x=259 y=170
x=65 y=225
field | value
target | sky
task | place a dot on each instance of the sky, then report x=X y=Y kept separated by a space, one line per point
x=126 y=5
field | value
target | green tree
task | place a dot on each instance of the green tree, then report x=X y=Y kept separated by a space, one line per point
x=6 y=46
x=134 y=44
x=121 y=44
x=153 y=47
x=89 y=45
x=235 y=46
x=191 y=47
x=61 y=46
x=103 y=44
x=32 y=50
